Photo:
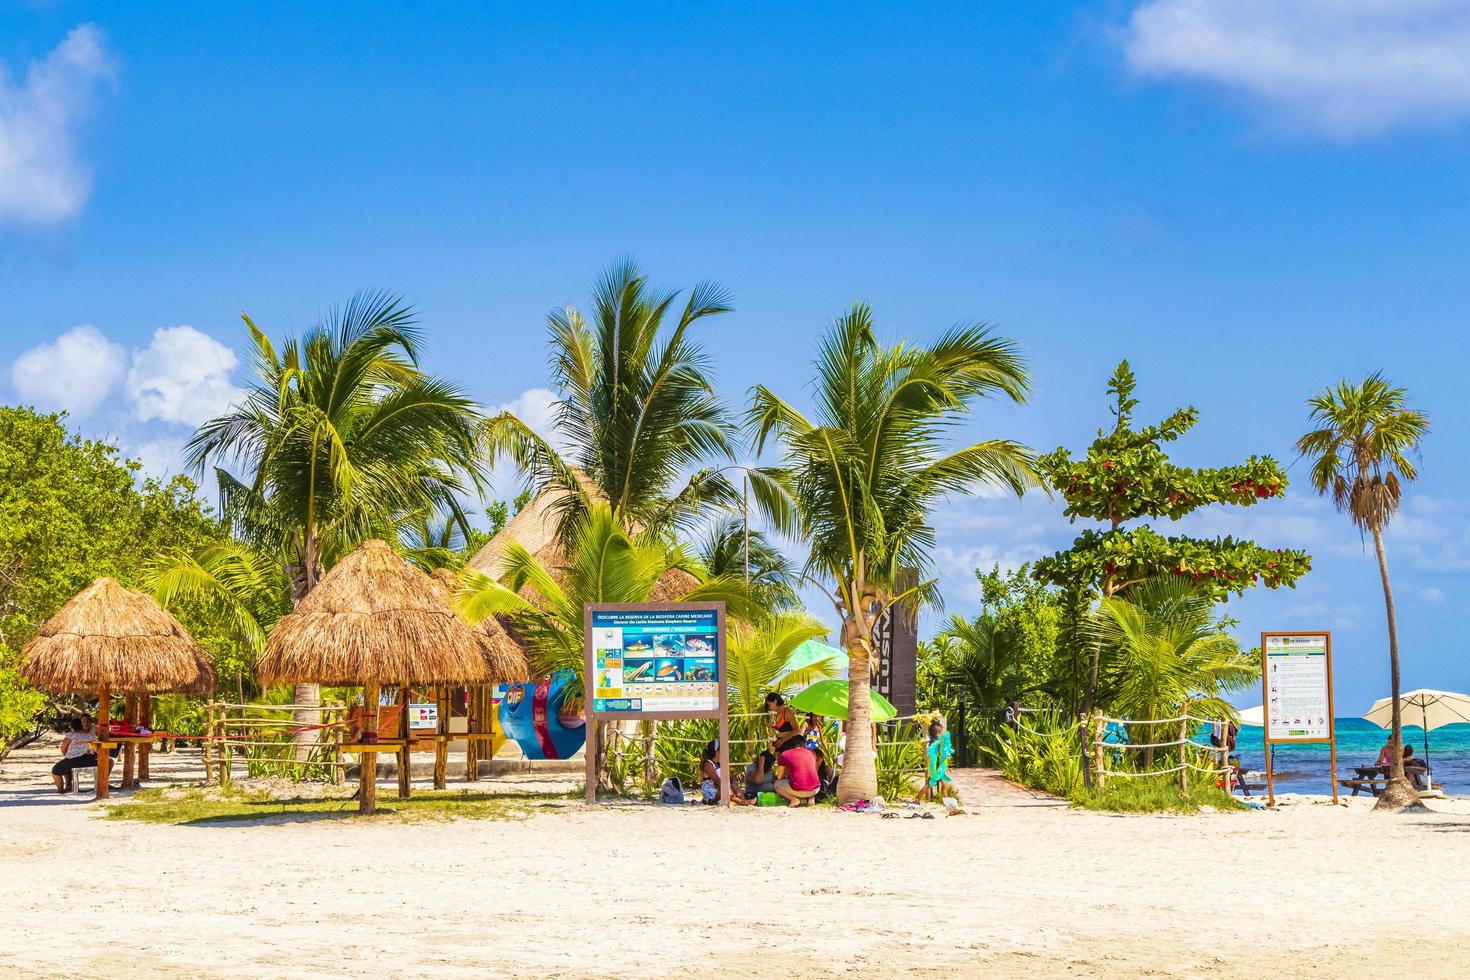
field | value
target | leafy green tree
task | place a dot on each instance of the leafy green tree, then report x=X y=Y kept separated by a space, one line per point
x=340 y=436
x=71 y=510
x=868 y=466
x=756 y=658
x=1360 y=454
x=639 y=410
x=1126 y=475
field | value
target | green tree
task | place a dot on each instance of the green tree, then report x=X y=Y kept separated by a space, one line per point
x=639 y=410
x=756 y=658
x=340 y=436
x=1360 y=454
x=71 y=510
x=869 y=464
x=1126 y=475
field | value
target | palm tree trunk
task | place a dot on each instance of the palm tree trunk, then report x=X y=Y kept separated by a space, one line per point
x=859 y=780
x=306 y=694
x=1398 y=794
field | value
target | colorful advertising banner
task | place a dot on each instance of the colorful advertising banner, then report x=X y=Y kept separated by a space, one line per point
x=655 y=660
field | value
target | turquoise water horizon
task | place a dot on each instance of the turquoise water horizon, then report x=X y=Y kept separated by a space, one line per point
x=1308 y=768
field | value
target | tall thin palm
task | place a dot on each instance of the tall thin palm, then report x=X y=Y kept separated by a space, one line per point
x=867 y=468
x=1361 y=453
x=338 y=436
x=637 y=408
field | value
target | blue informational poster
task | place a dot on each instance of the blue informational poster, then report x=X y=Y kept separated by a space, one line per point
x=656 y=660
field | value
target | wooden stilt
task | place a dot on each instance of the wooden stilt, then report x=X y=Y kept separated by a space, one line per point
x=145 y=717
x=441 y=743
x=367 y=798
x=129 y=751
x=472 y=724
x=103 y=716
x=405 y=770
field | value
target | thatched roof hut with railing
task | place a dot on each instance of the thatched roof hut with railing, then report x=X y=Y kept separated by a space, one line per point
x=111 y=640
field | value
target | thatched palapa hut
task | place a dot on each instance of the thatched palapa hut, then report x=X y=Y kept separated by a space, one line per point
x=376 y=620
x=111 y=640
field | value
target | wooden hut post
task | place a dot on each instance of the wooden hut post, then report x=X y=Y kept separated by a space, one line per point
x=103 y=758
x=367 y=799
x=405 y=764
x=145 y=718
x=129 y=751
x=441 y=737
x=472 y=725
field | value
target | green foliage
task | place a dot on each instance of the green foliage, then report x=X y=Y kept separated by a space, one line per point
x=1126 y=475
x=1155 y=795
x=605 y=564
x=773 y=579
x=229 y=805
x=1046 y=754
x=638 y=409
x=342 y=436
x=71 y=510
x=1163 y=652
x=900 y=760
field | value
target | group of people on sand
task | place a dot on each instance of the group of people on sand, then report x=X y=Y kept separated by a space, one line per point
x=793 y=766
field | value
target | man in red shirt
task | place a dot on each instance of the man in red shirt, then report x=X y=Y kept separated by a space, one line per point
x=796 y=773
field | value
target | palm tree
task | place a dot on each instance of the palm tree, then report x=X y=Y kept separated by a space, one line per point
x=338 y=437
x=979 y=664
x=1167 y=654
x=868 y=466
x=638 y=410
x=1360 y=453
x=729 y=548
x=756 y=662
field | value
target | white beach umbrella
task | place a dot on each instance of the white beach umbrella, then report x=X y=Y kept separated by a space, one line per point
x=1436 y=709
x=1255 y=717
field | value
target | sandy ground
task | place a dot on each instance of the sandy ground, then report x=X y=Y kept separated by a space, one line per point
x=1016 y=887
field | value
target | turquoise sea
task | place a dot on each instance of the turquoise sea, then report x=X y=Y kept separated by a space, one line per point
x=1306 y=768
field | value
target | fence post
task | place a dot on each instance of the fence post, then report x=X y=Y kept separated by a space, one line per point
x=1183 y=750
x=1099 y=726
x=208 y=742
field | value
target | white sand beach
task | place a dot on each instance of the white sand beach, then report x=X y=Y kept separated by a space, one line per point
x=1018 y=886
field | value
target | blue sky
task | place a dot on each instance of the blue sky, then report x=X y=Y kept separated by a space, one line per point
x=1248 y=200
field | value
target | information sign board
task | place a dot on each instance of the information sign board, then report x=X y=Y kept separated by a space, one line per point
x=656 y=660
x=1296 y=681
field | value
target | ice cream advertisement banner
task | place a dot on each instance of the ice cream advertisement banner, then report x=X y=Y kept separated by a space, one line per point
x=1297 y=675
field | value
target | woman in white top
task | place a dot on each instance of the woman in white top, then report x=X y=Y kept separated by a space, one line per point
x=76 y=753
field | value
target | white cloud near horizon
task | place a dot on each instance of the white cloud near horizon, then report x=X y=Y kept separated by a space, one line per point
x=1344 y=68
x=41 y=181
x=77 y=371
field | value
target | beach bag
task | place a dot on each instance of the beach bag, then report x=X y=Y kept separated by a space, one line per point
x=672 y=791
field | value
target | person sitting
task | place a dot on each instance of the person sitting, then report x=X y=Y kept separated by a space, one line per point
x=709 y=774
x=76 y=753
x=1385 y=755
x=760 y=775
x=782 y=724
x=796 y=771
x=1415 y=767
x=811 y=732
x=826 y=778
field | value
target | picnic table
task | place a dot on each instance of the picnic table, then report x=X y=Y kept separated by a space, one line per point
x=1374 y=779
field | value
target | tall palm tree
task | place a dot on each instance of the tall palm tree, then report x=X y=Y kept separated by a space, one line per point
x=338 y=437
x=1360 y=454
x=868 y=466
x=637 y=408
x=756 y=662
x=979 y=665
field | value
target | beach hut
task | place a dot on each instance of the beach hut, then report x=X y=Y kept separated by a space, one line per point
x=110 y=640
x=376 y=621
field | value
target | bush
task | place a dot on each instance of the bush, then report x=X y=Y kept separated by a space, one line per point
x=1045 y=755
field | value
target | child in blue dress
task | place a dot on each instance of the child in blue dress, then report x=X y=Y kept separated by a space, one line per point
x=938 y=785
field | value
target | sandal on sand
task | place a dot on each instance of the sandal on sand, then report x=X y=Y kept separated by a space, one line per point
x=926 y=815
x=890 y=816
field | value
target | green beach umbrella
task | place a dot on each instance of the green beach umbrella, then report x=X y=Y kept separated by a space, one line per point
x=829 y=699
x=810 y=653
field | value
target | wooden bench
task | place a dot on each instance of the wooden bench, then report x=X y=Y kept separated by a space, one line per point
x=1377 y=784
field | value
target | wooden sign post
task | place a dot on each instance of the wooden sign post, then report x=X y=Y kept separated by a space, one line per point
x=1296 y=682
x=655 y=661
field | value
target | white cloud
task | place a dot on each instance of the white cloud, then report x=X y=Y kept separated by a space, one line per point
x=41 y=181
x=182 y=376
x=161 y=457
x=537 y=408
x=77 y=371
x=1432 y=594
x=1342 y=67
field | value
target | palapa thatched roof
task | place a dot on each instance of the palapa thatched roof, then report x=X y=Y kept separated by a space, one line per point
x=374 y=618
x=109 y=635
x=534 y=528
x=505 y=661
